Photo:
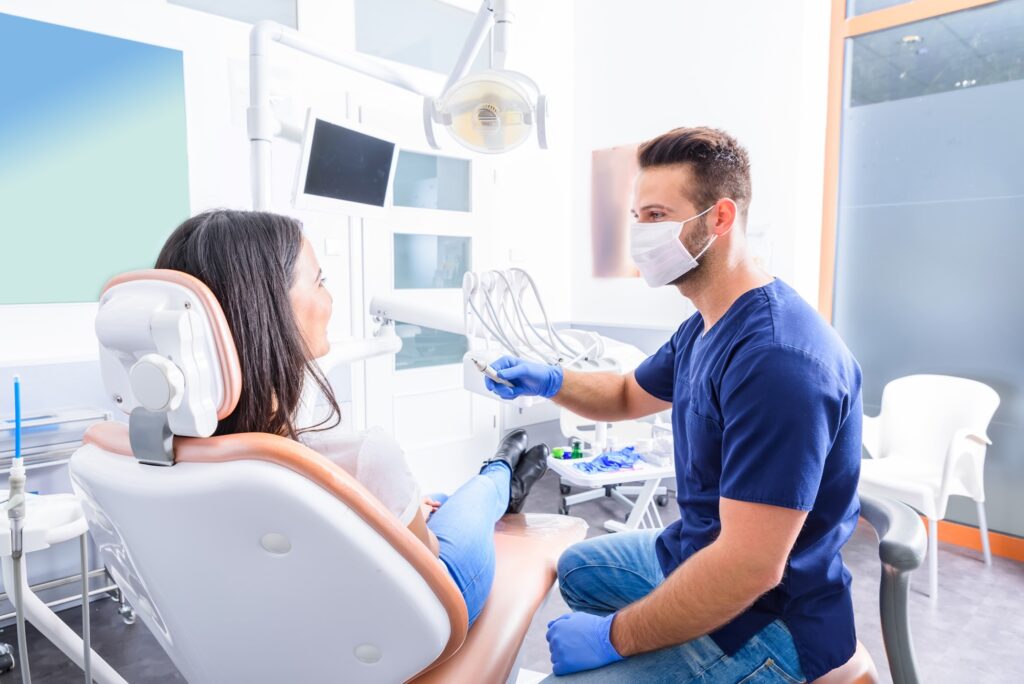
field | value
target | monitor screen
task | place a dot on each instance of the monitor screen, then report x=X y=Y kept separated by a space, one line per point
x=348 y=165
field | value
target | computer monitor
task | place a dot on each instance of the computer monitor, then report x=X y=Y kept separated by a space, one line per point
x=344 y=168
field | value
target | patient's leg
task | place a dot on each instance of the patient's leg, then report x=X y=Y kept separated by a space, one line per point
x=464 y=527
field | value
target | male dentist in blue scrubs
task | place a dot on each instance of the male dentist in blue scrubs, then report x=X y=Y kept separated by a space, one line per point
x=748 y=585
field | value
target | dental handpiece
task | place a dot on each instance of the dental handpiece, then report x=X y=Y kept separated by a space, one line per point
x=491 y=373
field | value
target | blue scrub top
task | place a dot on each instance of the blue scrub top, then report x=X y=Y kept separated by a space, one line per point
x=766 y=408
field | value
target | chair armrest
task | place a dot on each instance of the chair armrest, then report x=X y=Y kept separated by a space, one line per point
x=966 y=442
x=901 y=536
x=901 y=546
x=980 y=438
x=871 y=435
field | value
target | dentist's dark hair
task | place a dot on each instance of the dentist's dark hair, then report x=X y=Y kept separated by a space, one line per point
x=247 y=259
x=720 y=165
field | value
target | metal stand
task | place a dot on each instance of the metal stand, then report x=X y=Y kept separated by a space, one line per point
x=643 y=507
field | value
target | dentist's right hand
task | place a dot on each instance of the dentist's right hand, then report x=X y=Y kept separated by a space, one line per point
x=527 y=377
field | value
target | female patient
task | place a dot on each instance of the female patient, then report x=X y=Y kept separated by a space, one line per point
x=268 y=282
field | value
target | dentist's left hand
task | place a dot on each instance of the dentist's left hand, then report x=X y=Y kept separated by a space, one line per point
x=581 y=641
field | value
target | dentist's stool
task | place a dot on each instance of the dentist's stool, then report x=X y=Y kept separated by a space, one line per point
x=219 y=541
x=50 y=519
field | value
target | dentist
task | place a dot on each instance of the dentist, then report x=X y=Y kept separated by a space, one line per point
x=749 y=584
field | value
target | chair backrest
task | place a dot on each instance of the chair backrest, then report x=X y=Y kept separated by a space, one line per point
x=901 y=547
x=250 y=557
x=920 y=414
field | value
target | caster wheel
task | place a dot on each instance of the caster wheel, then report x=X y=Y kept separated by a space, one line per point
x=127 y=615
x=563 y=509
x=564 y=489
x=661 y=500
x=6 y=658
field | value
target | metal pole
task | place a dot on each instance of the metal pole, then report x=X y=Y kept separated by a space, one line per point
x=86 y=635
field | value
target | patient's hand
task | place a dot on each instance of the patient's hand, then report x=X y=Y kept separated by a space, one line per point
x=429 y=506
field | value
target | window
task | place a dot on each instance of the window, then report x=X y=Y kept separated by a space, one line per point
x=424 y=347
x=431 y=261
x=929 y=227
x=855 y=7
x=427 y=181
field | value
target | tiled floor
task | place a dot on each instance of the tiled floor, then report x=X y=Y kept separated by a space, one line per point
x=975 y=635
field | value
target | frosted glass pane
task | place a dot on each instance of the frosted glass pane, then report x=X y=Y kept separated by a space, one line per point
x=424 y=347
x=427 y=181
x=956 y=51
x=431 y=261
x=428 y=34
x=929 y=237
x=855 y=7
x=251 y=11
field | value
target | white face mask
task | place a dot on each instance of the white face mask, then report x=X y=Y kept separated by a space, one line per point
x=659 y=253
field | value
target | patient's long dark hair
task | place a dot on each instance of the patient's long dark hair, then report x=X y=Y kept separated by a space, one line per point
x=247 y=258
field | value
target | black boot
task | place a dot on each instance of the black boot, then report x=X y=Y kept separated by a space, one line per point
x=510 y=449
x=531 y=468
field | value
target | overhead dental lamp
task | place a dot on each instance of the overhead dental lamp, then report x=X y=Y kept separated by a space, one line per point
x=490 y=112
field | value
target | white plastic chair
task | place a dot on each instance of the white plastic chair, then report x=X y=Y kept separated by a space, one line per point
x=252 y=558
x=927 y=444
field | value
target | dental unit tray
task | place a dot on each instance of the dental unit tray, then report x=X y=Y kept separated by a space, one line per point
x=48 y=436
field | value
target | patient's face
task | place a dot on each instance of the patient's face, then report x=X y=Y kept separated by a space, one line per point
x=311 y=301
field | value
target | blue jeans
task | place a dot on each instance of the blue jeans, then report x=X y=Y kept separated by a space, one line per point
x=464 y=526
x=603 y=574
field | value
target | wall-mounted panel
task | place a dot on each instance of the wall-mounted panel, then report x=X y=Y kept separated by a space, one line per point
x=93 y=158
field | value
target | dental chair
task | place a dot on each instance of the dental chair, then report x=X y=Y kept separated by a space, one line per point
x=252 y=558
x=901 y=548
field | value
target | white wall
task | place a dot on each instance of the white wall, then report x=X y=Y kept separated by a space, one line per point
x=755 y=69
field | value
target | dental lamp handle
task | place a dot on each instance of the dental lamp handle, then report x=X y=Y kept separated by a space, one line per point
x=471 y=48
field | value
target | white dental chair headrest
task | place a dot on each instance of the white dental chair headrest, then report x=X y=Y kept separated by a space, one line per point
x=166 y=351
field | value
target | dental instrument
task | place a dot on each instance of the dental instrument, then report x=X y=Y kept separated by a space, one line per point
x=489 y=372
x=15 y=506
x=44 y=507
x=504 y=313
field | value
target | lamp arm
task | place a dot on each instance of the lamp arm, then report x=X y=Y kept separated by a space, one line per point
x=503 y=19
x=261 y=122
x=474 y=41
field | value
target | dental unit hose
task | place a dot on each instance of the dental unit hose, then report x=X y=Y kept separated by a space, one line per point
x=15 y=506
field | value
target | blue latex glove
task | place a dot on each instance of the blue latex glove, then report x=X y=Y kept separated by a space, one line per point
x=581 y=641
x=527 y=377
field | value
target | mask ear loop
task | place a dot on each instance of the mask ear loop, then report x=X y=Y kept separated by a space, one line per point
x=715 y=236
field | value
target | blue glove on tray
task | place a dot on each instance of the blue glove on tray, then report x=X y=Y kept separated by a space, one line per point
x=527 y=377
x=581 y=641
